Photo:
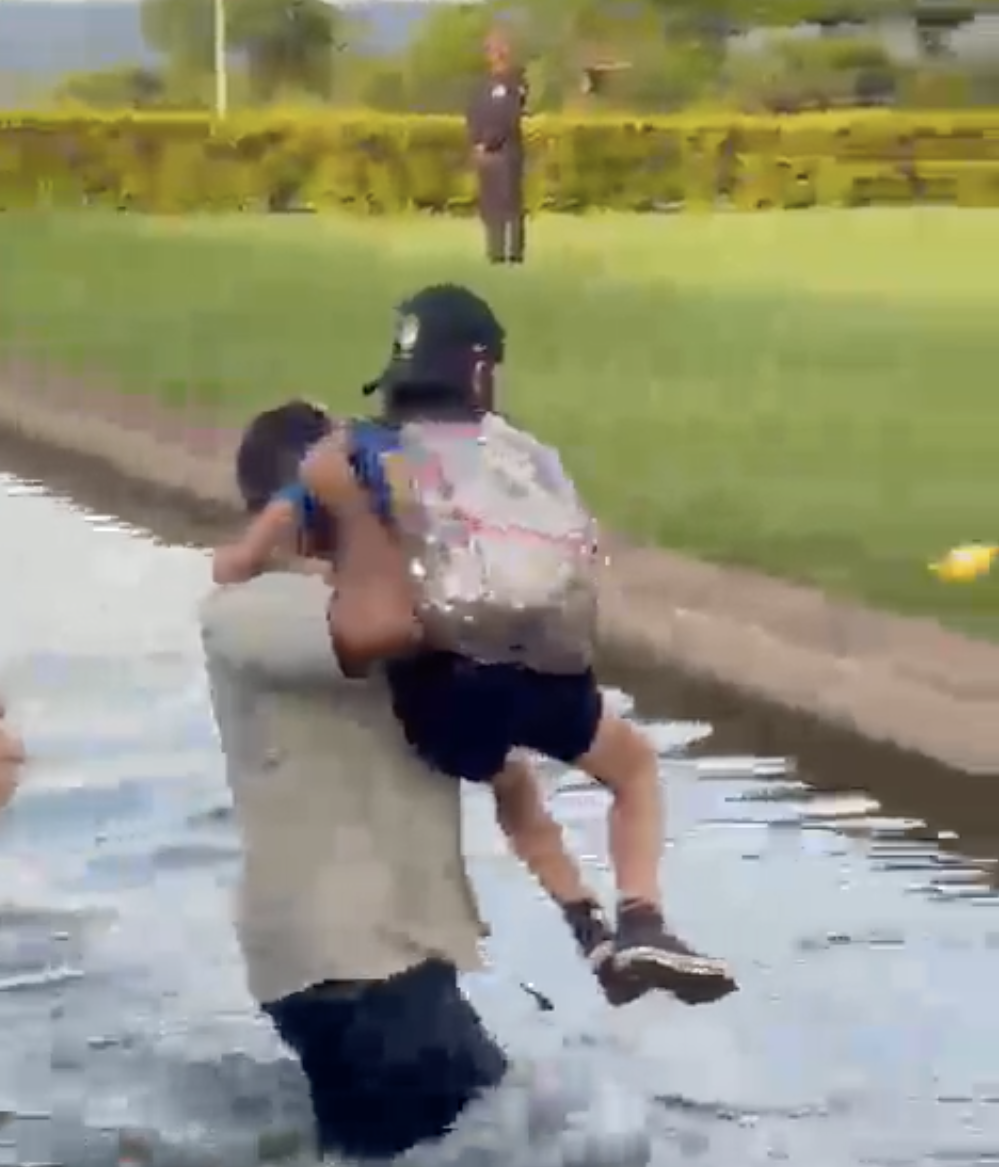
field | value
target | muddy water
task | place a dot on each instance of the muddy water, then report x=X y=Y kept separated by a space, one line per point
x=862 y=920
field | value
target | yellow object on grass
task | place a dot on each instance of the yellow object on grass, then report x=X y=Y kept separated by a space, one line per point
x=965 y=563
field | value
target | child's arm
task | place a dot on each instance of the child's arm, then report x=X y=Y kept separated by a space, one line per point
x=372 y=612
x=269 y=533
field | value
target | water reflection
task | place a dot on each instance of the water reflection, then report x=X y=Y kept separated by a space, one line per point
x=865 y=1032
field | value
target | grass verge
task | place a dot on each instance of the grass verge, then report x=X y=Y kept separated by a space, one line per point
x=810 y=394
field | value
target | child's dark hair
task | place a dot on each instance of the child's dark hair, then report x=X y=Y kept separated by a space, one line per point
x=272 y=448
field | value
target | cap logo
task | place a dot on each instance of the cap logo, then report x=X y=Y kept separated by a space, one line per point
x=407 y=333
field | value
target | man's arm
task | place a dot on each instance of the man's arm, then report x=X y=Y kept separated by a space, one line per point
x=473 y=119
x=509 y=110
x=498 y=121
x=275 y=626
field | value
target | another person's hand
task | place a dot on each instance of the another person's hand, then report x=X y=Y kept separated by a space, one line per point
x=8 y=782
x=11 y=756
x=11 y=747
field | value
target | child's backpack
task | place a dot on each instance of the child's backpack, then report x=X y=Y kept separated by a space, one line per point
x=503 y=551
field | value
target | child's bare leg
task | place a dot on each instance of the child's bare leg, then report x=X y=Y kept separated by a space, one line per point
x=534 y=836
x=623 y=760
x=537 y=841
x=647 y=952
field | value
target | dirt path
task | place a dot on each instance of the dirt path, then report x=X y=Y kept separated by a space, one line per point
x=887 y=678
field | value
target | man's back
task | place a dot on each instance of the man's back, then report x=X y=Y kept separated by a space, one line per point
x=328 y=797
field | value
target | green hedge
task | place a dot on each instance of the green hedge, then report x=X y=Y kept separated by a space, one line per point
x=375 y=163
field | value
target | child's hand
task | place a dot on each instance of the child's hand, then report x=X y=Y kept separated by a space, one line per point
x=232 y=565
x=8 y=783
x=272 y=532
x=11 y=747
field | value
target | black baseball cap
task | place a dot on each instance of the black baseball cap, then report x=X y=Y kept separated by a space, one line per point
x=441 y=333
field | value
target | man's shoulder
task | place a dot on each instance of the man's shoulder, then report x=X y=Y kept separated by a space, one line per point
x=274 y=594
x=501 y=426
x=276 y=626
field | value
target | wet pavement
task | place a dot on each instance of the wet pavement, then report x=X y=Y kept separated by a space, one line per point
x=853 y=890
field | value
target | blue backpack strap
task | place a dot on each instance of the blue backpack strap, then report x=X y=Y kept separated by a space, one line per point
x=312 y=519
x=369 y=441
x=299 y=498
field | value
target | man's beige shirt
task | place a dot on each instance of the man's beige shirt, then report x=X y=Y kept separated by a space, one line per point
x=352 y=865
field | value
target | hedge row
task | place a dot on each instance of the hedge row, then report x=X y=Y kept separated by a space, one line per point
x=383 y=164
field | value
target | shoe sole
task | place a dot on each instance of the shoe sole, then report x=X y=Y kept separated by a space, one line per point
x=694 y=980
x=618 y=989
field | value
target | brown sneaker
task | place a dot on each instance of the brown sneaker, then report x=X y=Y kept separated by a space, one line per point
x=595 y=940
x=648 y=956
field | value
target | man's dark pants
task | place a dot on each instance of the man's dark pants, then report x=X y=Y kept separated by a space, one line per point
x=390 y=1064
x=501 y=206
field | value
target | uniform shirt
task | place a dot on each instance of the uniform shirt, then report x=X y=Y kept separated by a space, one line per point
x=495 y=111
x=352 y=861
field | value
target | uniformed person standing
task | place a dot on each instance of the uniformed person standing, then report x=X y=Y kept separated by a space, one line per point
x=494 y=128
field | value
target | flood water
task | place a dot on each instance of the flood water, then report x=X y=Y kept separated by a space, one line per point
x=866 y=938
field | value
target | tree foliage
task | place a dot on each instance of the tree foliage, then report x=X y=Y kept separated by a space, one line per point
x=716 y=15
x=182 y=30
x=120 y=88
x=794 y=73
x=445 y=56
x=286 y=44
x=647 y=55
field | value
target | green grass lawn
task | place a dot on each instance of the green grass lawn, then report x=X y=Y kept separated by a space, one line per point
x=815 y=394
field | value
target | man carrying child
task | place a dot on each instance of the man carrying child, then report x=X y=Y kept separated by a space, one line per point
x=485 y=617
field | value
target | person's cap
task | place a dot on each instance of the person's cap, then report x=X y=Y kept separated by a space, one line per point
x=441 y=332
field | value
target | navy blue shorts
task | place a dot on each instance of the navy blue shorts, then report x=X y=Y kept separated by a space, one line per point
x=390 y=1064
x=464 y=718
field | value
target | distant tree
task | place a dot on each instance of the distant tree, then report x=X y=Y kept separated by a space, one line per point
x=793 y=73
x=287 y=44
x=444 y=55
x=591 y=48
x=183 y=31
x=948 y=85
x=128 y=87
x=714 y=15
x=660 y=78
x=936 y=22
x=372 y=83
